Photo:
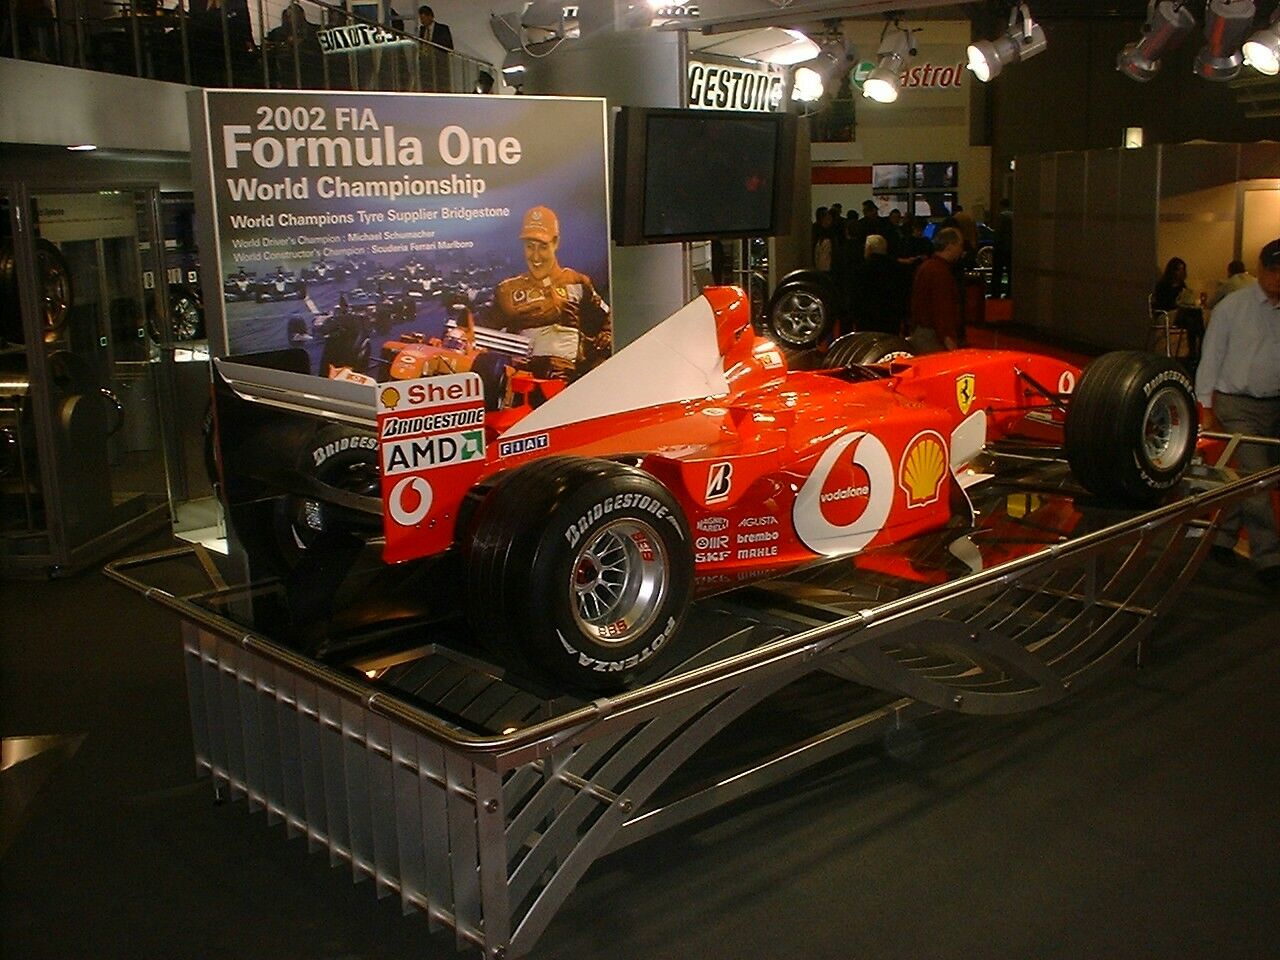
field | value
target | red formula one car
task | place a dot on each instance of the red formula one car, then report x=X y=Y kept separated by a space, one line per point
x=694 y=457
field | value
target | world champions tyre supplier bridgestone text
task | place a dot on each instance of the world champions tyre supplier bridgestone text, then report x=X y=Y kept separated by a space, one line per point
x=865 y=347
x=579 y=569
x=1131 y=426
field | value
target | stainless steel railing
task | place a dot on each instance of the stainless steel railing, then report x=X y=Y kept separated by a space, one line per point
x=305 y=44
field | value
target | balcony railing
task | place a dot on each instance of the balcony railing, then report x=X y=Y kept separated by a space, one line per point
x=306 y=44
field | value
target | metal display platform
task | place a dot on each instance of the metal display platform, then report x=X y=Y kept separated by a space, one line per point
x=481 y=800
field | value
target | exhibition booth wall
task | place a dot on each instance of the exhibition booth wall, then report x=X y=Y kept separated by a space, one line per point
x=1095 y=228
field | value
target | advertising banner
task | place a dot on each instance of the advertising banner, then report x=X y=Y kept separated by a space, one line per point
x=394 y=236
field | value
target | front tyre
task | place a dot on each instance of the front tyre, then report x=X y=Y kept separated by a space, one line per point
x=581 y=569
x=1131 y=426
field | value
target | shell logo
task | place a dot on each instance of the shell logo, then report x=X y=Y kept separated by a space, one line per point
x=922 y=469
x=390 y=398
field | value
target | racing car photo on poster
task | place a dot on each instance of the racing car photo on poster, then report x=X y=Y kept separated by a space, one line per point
x=584 y=519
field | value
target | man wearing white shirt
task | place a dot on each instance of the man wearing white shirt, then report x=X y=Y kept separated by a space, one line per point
x=1238 y=385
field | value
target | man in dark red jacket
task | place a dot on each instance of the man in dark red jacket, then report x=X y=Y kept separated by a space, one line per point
x=935 y=296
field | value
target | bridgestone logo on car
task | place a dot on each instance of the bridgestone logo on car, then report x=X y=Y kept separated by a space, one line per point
x=432 y=422
x=321 y=454
x=623 y=501
x=427 y=453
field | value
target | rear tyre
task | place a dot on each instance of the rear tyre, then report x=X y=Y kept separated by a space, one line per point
x=336 y=456
x=866 y=347
x=1131 y=426
x=580 y=569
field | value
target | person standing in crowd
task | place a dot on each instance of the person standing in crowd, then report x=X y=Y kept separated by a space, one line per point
x=873 y=297
x=434 y=60
x=567 y=321
x=1238 y=386
x=1172 y=294
x=1238 y=277
x=935 y=296
x=823 y=241
x=1002 y=252
x=871 y=224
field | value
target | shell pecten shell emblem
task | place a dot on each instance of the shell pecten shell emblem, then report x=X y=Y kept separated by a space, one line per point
x=923 y=468
x=391 y=397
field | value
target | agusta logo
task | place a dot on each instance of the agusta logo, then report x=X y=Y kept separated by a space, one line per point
x=845 y=492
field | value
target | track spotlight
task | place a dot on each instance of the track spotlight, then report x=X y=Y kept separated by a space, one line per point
x=1262 y=50
x=1168 y=24
x=1226 y=25
x=896 y=50
x=811 y=77
x=1022 y=41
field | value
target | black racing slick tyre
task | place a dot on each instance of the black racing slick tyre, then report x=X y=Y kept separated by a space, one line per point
x=1131 y=426
x=580 y=569
x=337 y=456
x=800 y=314
x=865 y=347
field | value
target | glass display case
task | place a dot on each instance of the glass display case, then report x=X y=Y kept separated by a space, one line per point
x=81 y=439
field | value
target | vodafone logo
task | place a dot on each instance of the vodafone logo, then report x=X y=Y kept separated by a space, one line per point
x=846 y=491
x=410 y=501
x=846 y=501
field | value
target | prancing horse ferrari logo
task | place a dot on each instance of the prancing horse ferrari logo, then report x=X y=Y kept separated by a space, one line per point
x=964 y=391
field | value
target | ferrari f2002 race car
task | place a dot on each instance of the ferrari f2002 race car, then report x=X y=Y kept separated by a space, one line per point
x=694 y=458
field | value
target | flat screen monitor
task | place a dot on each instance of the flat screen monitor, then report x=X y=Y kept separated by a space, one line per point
x=886 y=203
x=934 y=205
x=936 y=176
x=701 y=175
x=890 y=176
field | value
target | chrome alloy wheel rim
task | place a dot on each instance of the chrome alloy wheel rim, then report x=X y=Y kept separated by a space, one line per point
x=618 y=582
x=799 y=317
x=1166 y=428
x=186 y=319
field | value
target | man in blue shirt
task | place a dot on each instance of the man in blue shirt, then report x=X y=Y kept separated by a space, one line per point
x=1238 y=385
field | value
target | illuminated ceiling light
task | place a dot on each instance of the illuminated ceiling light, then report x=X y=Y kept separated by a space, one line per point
x=1022 y=41
x=1168 y=24
x=810 y=79
x=83 y=147
x=1226 y=25
x=1262 y=50
x=896 y=49
x=798 y=49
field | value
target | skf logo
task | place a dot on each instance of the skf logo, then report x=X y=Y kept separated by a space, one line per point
x=391 y=396
x=964 y=391
x=713 y=524
x=719 y=482
x=923 y=467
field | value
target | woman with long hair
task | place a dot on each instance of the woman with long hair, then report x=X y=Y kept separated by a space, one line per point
x=1172 y=295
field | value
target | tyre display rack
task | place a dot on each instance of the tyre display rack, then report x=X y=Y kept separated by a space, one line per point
x=481 y=800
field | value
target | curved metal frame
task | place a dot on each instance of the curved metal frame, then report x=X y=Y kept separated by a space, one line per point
x=488 y=834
